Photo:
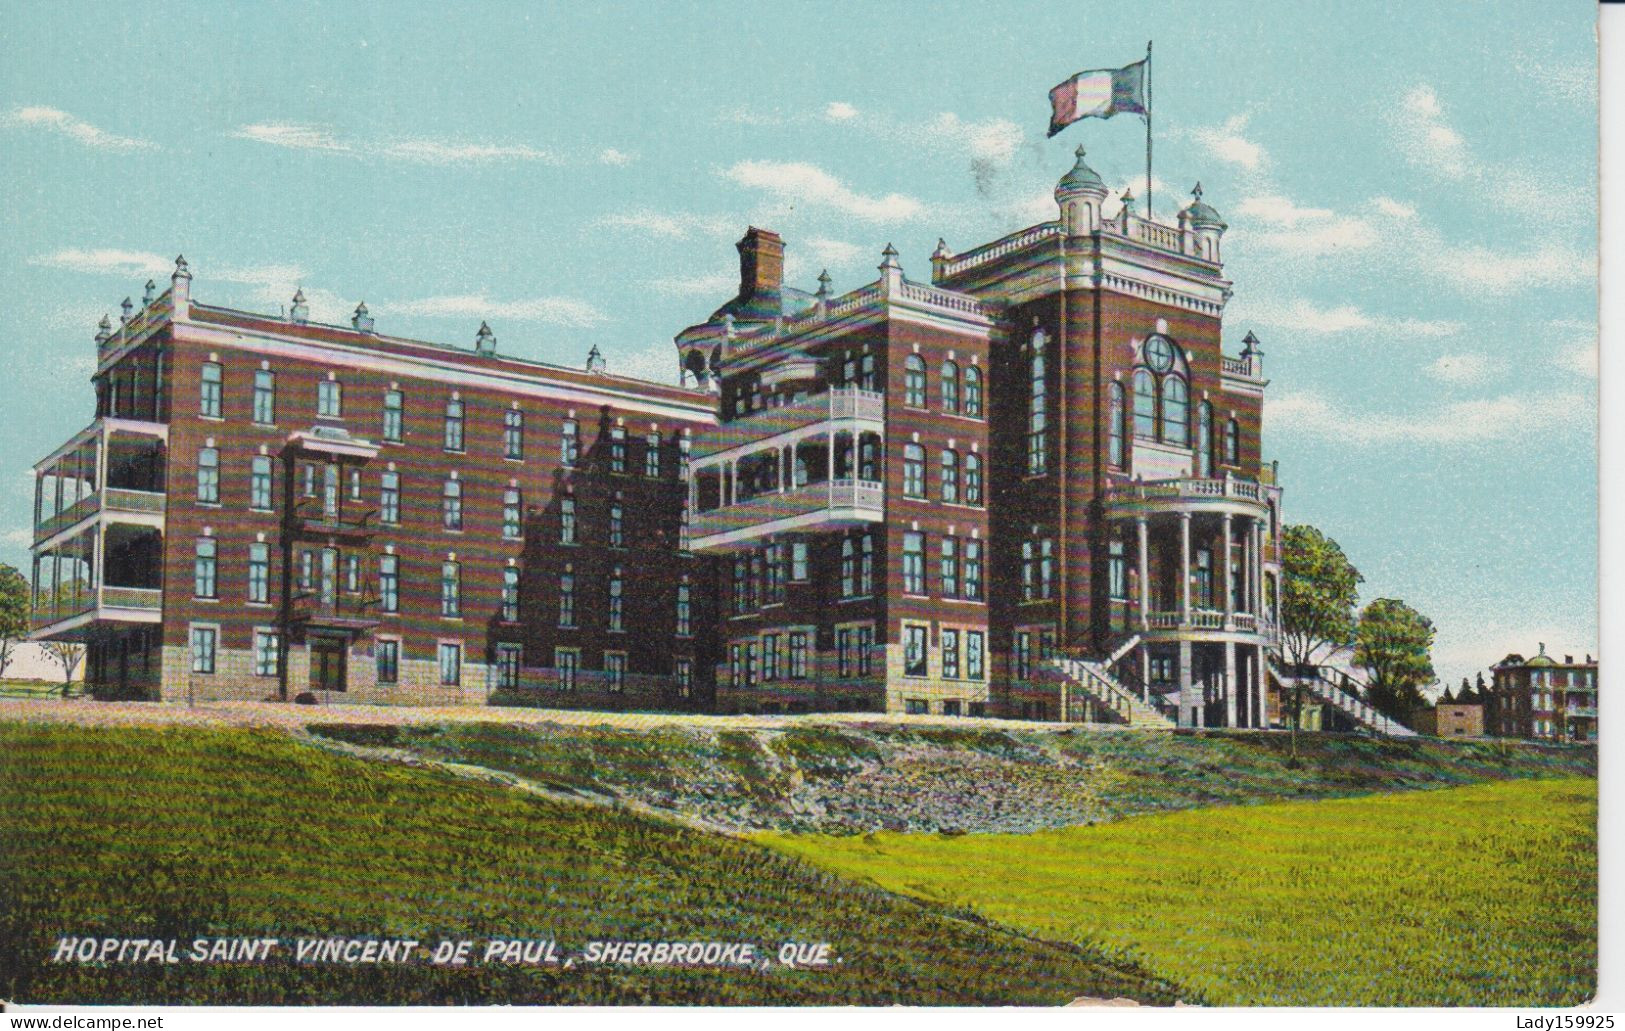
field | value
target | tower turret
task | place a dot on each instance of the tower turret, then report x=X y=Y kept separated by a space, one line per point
x=1081 y=194
x=1201 y=226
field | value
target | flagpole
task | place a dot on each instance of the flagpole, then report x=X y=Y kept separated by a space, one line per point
x=1148 y=217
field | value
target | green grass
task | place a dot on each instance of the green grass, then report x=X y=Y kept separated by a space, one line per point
x=185 y=832
x=1480 y=895
x=36 y=688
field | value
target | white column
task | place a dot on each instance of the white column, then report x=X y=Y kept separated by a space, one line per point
x=1190 y=700
x=1258 y=571
x=1229 y=587
x=1260 y=688
x=1184 y=568
x=1145 y=573
x=1230 y=684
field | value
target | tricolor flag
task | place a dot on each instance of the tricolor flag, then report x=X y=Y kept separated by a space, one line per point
x=1098 y=94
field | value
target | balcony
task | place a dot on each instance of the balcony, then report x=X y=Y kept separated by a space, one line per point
x=331 y=517
x=98 y=574
x=76 y=610
x=819 y=413
x=113 y=468
x=1191 y=494
x=834 y=504
x=1201 y=619
x=333 y=611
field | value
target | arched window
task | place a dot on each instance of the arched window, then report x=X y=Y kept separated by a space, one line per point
x=1037 y=459
x=950 y=476
x=914 y=381
x=973 y=392
x=1175 y=411
x=913 y=471
x=973 y=479
x=1232 y=443
x=1114 y=425
x=1145 y=404
x=950 y=388
x=1204 y=439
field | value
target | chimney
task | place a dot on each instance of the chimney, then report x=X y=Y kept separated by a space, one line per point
x=761 y=263
x=1568 y=660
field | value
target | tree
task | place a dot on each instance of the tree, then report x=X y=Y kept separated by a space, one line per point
x=1392 y=643
x=68 y=655
x=1319 y=589
x=13 y=612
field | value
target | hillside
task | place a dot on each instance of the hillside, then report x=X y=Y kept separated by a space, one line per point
x=840 y=778
x=187 y=831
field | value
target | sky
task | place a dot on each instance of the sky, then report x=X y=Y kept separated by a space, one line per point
x=1411 y=191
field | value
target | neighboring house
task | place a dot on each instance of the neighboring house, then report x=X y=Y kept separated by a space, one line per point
x=1459 y=715
x=1543 y=698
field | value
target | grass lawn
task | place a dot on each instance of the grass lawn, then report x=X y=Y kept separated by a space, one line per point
x=34 y=688
x=186 y=832
x=1482 y=895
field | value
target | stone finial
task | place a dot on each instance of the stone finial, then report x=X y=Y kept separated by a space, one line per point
x=182 y=270
x=128 y=306
x=942 y=250
x=1196 y=192
x=300 y=311
x=888 y=258
x=728 y=326
x=485 y=341
x=1250 y=345
x=595 y=360
x=152 y=291
x=104 y=330
x=361 y=320
x=823 y=284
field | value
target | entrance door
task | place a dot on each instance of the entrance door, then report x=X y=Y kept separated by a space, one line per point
x=327 y=664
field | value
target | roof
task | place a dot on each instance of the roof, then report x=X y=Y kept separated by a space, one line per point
x=1081 y=179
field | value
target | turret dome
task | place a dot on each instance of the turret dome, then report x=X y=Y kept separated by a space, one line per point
x=1201 y=214
x=1081 y=179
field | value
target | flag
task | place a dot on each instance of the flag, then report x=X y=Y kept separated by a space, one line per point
x=1098 y=94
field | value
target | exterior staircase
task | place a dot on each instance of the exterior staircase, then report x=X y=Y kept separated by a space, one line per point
x=1336 y=688
x=1093 y=679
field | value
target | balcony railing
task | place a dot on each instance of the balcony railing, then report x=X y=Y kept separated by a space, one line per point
x=845 y=500
x=1190 y=488
x=838 y=403
x=999 y=248
x=311 y=517
x=1209 y=619
x=79 y=597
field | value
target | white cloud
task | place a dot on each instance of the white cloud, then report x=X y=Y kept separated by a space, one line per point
x=107 y=260
x=1427 y=139
x=994 y=139
x=77 y=129
x=1464 y=369
x=611 y=156
x=836 y=252
x=794 y=182
x=19 y=538
x=840 y=111
x=1508 y=417
x=671 y=226
x=1474 y=268
x=1303 y=316
x=1281 y=211
x=741 y=115
x=294 y=136
x=1579 y=356
x=656 y=363
x=438 y=152
x=1227 y=143
x=719 y=284
x=562 y=311
x=1312 y=237
x=1394 y=208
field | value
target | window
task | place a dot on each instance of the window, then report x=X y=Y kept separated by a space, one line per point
x=388 y=654
x=617 y=525
x=913 y=471
x=309 y=477
x=1161 y=395
x=209 y=389
x=869 y=379
x=913 y=563
x=208 y=476
x=513 y=434
x=1046 y=568
x=798 y=655
x=1116 y=452
x=798 y=561
x=451 y=505
x=949 y=567
x=259 y=573
x=975 y=665
x=950 y=388
x=259 y=483
x=866 y=565
x=773 y=563
x=913 y=650
x=1175 y=411
x=203 y=568
x=916 y=706
x=684 y=453
x=616 y=608
x=394 y=404
x=1204 y=577
x=1204 y=440
x=389 y=583
x=685 y=610
x=307 y=570
x=329 y=399
x=510 y=594
x=950 y=476
x=973 y=479
x=1023 y=655
x=1145 y=405
x=849 y=568
x=914 y=381
x=973 y=392
x=950 y=654
x=567 y=599
x=509 y=657
x=512 y=527
x=264 y=397
x=389 y=498
x=203 y=642
x=615 y=672
x=1037 y=411
x=973 y=570
x=567 y=520
x=1037 y=570
x=770 y=657
x=651 y=454
x=569 y=443
x=451 y=664
x=566 y=664
x=454 y=426
x=617 y=449
x=1232 y=443
x=1117 y=570
x=683 y=674
x=451 y=590
x=265 y=652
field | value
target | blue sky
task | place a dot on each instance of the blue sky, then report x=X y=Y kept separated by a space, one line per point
x=1411 y=194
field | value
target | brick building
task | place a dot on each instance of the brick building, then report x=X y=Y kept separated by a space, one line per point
x=1031 y=487
x=1542 y=698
